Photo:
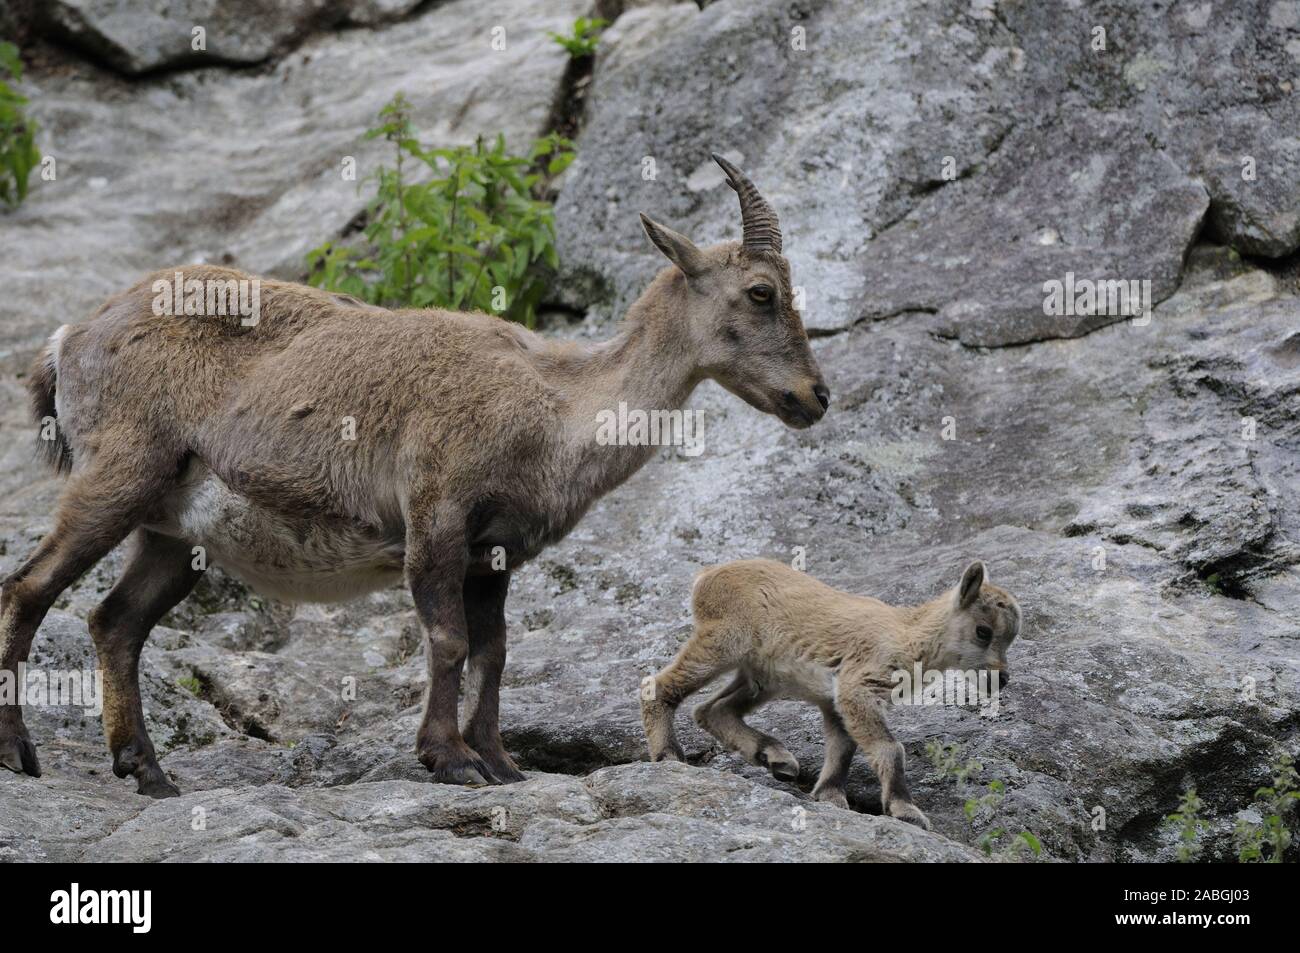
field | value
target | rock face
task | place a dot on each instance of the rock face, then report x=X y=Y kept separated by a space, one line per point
x=1134 y=482
x=141 y=36
x=247 y=168
x=946 y=157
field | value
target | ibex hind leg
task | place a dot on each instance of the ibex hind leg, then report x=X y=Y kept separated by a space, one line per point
x=98 y=509
x=159 y=573
x=723 y=716
x=699 y=662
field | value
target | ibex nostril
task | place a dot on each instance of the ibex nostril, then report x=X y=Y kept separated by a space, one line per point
x=823 y=394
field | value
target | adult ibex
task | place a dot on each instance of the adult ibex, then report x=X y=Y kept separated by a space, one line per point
x=473 y=437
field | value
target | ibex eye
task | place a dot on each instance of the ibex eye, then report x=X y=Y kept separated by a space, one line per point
x=984 y=634
x=761 y=293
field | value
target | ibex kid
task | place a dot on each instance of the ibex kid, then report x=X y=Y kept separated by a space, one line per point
x=786 y=635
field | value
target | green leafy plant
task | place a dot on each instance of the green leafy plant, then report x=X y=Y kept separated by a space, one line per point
x=18 y=152
x=459 y=228
x=190 y=684
x=1187 y=820
x=1014 y=849
x=949 y=761
x=987 y=802
x=582 y=41
x=1267 y=840
x=946 y=760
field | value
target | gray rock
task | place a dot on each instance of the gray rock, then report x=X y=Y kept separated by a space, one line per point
x=728 y=818
x=374 y=12
x=831 y=134
x=947 y=158
x=1211 y=82
x=141 y=36
x=980 y=251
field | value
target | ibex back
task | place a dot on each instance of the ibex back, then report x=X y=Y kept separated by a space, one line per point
x=470 y=437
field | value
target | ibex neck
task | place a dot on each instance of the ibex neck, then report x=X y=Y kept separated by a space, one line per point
x=646 y=372
x=928 y=622
x=647 y=366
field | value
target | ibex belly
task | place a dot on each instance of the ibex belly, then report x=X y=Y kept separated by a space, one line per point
x=794 y=678
x=298 y=560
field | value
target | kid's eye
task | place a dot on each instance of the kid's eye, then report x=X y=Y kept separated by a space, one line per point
x=984 y=634
x=760 y=294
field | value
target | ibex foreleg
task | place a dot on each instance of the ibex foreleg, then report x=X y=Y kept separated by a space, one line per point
x=839 y=757
x=864 y=718
x=436 y=559
x=485 y=601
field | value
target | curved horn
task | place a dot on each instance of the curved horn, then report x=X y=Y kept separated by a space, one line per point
x=762 y=230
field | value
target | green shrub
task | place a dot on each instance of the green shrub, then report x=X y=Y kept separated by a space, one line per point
x=582 y=41
x=1187 y=820
x=949 y=761
x=191 y=684
x=1266 y=841
x=1262 y=841
x=1013 y=849
x=473 y=236
x=18 y=152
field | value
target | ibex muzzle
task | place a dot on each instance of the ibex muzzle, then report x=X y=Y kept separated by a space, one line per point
x=331 y=448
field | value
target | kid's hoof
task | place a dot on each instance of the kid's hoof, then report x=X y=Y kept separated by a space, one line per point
x=832 y=796
x=17 y=753
x=672 y=753
x=457 y=766
x=780 y=762
x=910 y=813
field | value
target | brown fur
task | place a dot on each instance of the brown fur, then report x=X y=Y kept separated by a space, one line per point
x=473 y=436
x=786 y=635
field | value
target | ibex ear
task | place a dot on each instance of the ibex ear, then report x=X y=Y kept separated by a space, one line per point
x=971 y=580
x=681 y=251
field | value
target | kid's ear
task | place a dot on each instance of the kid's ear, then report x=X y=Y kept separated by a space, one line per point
x=681 y=251
x=971 y=580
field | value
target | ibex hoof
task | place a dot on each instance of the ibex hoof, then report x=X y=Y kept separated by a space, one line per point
x=672 y=752
x=156 y=785
x=780 y=762
x=17 y=753
x=499 y=763
x=832 y=796
x=457 y=765
x=909 y=812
